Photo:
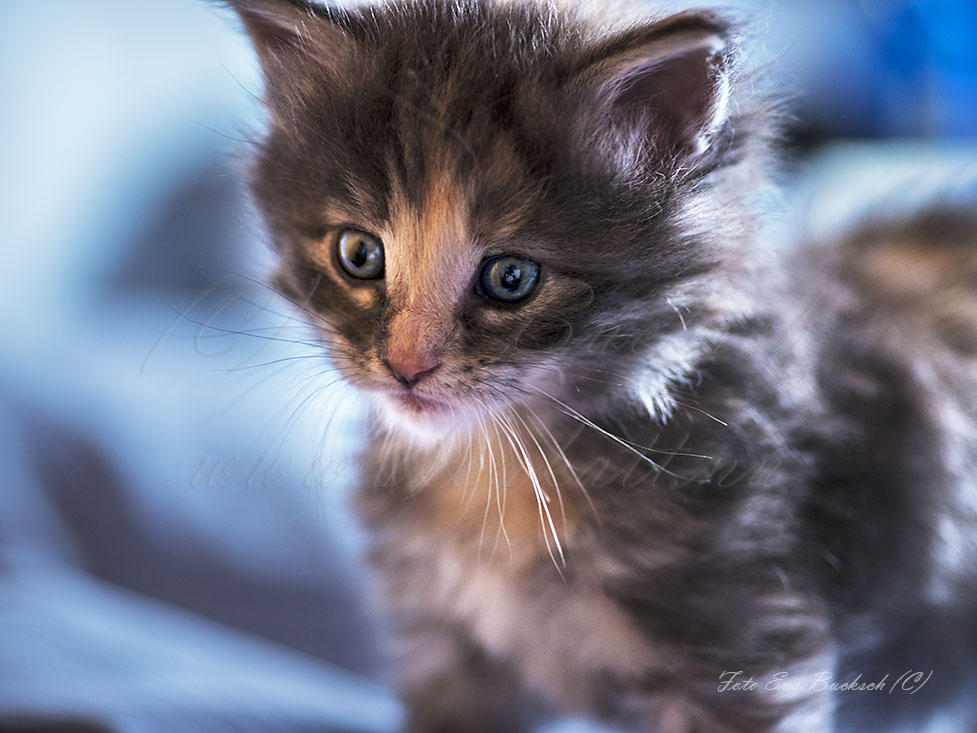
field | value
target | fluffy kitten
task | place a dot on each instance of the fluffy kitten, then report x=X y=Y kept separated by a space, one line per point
x=618 y=454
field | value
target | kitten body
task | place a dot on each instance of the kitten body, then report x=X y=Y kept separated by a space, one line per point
x=677 y=463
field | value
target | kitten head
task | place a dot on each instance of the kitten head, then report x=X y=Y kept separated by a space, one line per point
x=487 y=203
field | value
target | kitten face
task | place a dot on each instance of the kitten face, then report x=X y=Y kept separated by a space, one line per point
x=522 y=193
x=434 y=339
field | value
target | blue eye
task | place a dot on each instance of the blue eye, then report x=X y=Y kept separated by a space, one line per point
x=361 y=255
x=508 y=279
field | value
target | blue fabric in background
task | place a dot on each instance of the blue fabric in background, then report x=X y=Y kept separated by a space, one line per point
x=176 y=552
x=872 y=69
x=926 y=61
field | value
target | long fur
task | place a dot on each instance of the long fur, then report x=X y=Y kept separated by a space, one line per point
x=678 y=460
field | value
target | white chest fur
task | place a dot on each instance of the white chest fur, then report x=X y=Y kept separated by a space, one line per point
x=558 y=633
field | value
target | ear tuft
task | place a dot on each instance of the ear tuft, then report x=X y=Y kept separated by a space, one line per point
x=304 y=50
x=666 y=84
x=275 y=26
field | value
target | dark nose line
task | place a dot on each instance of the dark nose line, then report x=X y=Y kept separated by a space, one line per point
x=406 y=381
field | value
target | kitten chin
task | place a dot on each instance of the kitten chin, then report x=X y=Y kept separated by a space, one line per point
x=423 y=421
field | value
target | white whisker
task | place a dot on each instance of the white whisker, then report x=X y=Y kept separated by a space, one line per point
x=549 y=468
x=566 y=460
x=545 y=516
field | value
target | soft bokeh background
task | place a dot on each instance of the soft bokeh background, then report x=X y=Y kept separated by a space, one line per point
x=176 y=550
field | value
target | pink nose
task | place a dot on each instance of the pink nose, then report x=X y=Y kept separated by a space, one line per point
x=409 y=368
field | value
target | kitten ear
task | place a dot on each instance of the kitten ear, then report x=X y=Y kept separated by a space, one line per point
x=665 y=86
x=275 y=26
x=291 y=35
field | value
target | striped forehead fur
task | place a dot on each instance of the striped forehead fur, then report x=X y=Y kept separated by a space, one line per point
x=430 y=261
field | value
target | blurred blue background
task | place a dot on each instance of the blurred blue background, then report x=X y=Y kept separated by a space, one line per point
x=176 y=550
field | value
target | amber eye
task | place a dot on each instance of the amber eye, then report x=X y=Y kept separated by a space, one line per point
x=360 y=254
x=508 y=279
